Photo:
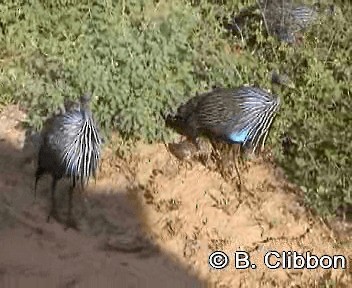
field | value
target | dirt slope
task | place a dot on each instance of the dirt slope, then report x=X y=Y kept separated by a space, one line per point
x=151 y=220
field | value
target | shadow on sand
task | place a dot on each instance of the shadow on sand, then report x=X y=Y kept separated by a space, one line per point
x=109 y=250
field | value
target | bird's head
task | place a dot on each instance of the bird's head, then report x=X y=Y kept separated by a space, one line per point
x=86 y=98
x=174 y=121
x=281 y=79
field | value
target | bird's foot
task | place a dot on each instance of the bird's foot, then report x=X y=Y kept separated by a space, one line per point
x=194 y=142
x=181 y=138
x=71 y=223
x=53 y=214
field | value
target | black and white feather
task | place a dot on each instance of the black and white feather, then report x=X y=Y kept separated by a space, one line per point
x=240 y=115
x=70 y=146
x=284 y=18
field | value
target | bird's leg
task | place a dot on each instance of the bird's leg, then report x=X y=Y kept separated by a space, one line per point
x=53 y=211
x=239 y=184
x=195 y=142
x=38 y=174
x=299 y=39
x=70 y=222
x=182 y=138
x=35 y=189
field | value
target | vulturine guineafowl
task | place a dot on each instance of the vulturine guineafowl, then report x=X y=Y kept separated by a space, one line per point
x=70 y=147
x=241 y=115
x=284 y=19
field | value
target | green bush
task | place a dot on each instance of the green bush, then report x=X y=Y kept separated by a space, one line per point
x=142 y=58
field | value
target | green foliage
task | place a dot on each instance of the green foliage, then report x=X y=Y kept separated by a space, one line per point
x=142 y=58
x=317 y=116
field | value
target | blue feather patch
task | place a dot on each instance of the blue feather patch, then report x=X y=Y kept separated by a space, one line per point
x=238 y=137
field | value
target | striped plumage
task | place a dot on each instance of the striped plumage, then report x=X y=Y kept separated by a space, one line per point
x=304 y=16
x=70 y=147
x=242 y=115
x=284 y=18
x=81 y=155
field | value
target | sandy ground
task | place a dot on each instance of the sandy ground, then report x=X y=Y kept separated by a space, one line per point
x=152 y=221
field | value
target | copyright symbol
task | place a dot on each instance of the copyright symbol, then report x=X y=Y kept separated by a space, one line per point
x=218 y=260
